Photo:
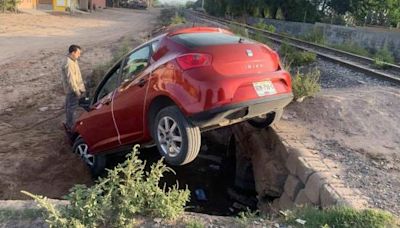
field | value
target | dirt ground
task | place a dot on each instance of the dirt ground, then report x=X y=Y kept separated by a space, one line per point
x=33 y=152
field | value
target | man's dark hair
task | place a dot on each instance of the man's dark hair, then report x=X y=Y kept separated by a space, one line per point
x=74 y=48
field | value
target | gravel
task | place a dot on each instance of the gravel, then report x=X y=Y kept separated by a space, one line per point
x=334 y=75
x=368 y=175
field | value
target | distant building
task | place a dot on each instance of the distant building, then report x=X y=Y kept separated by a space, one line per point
x=61 y=5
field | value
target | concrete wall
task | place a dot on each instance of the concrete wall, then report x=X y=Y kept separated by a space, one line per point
x=294 y=175
x=368 y=37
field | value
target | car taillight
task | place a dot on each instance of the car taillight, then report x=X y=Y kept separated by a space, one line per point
x=192 y=60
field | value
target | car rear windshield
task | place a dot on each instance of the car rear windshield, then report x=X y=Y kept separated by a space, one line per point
x=192 y=40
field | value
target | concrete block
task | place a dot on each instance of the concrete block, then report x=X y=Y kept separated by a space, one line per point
x=275 y=204
x=292 y=186
x=302 y=199
x=285 y=203
x=329 y=197
x=307 y=166
x=291 y=163
x=303 y=170
x=313 y=187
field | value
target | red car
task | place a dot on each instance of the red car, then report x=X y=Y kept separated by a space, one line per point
x=170 y=89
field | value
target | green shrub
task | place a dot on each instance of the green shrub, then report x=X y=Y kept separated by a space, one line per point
x=316 y=36
x=259 y=36
x=9 y=5
x=342 y=217
x=193 y=223
x=245 y=218
x=114 y=200
x=295 y=56
x=306 y=85
x=100 y=70
x=382 y=57
x=352 y=48
x=239 y=30
x=177 y=20
x=264 y=26
x=165 y=16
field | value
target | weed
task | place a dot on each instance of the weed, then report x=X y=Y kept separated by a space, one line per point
x=315 y=36
x=114 y=200
x=239 y=30
x=244 y=218
x=296 y=57
x=264 y=26
x=100 y=70
x=352 y=48
x=382 y=57
x=178 y=19
x=306 y=85
x=193 y=223
x=342 y=217
x=9 y=5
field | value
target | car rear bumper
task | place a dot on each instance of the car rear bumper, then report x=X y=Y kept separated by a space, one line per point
x=230 y=114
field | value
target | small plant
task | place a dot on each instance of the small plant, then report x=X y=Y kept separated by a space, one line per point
x=239 y=30
x=382 y=57
x=352 y=48
x=165 y=16
x=316 y=36
x=264 y=26
x=193 y=223
x=100 y=70
x=9 y=5
x=246 y=217
x=296 y=57
x=128 y=190
x=341 y=217
x=306 y=85
x=178 y=19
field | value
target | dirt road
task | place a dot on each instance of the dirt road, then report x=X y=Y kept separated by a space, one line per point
x=33 y=153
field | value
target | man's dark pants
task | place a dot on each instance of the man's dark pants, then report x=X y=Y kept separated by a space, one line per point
x=71 y=103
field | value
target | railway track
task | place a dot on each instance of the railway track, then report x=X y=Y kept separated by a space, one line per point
x=357 y=62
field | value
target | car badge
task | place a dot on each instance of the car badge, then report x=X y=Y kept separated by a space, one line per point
x=249 y=53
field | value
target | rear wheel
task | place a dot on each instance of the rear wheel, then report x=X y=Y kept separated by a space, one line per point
x=96 y=163
x=177 y=140
x=265 y=120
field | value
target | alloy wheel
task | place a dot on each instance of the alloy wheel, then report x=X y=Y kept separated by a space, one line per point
x=169 y=136
x=83 y=152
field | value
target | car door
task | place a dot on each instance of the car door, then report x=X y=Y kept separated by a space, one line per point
x=100 y=131
x=130 y=96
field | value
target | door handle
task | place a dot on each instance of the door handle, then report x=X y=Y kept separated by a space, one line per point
x=142 y=82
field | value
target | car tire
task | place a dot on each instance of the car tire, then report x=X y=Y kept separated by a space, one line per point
x=177 y=140
x=266 y=120
x=96 y=163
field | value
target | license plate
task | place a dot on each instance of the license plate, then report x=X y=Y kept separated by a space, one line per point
x=264 y=88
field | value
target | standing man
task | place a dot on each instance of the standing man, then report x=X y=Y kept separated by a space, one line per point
x=73 y=84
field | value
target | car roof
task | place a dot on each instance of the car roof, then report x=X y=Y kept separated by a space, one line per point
x=198 y=30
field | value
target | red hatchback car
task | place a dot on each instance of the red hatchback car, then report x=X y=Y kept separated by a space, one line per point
x=168 y=90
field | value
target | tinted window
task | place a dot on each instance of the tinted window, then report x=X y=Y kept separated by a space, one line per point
x=136 y=62
x=111 y=84
x=205 y=39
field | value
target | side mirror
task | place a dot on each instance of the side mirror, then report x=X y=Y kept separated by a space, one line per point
x=84 y=102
